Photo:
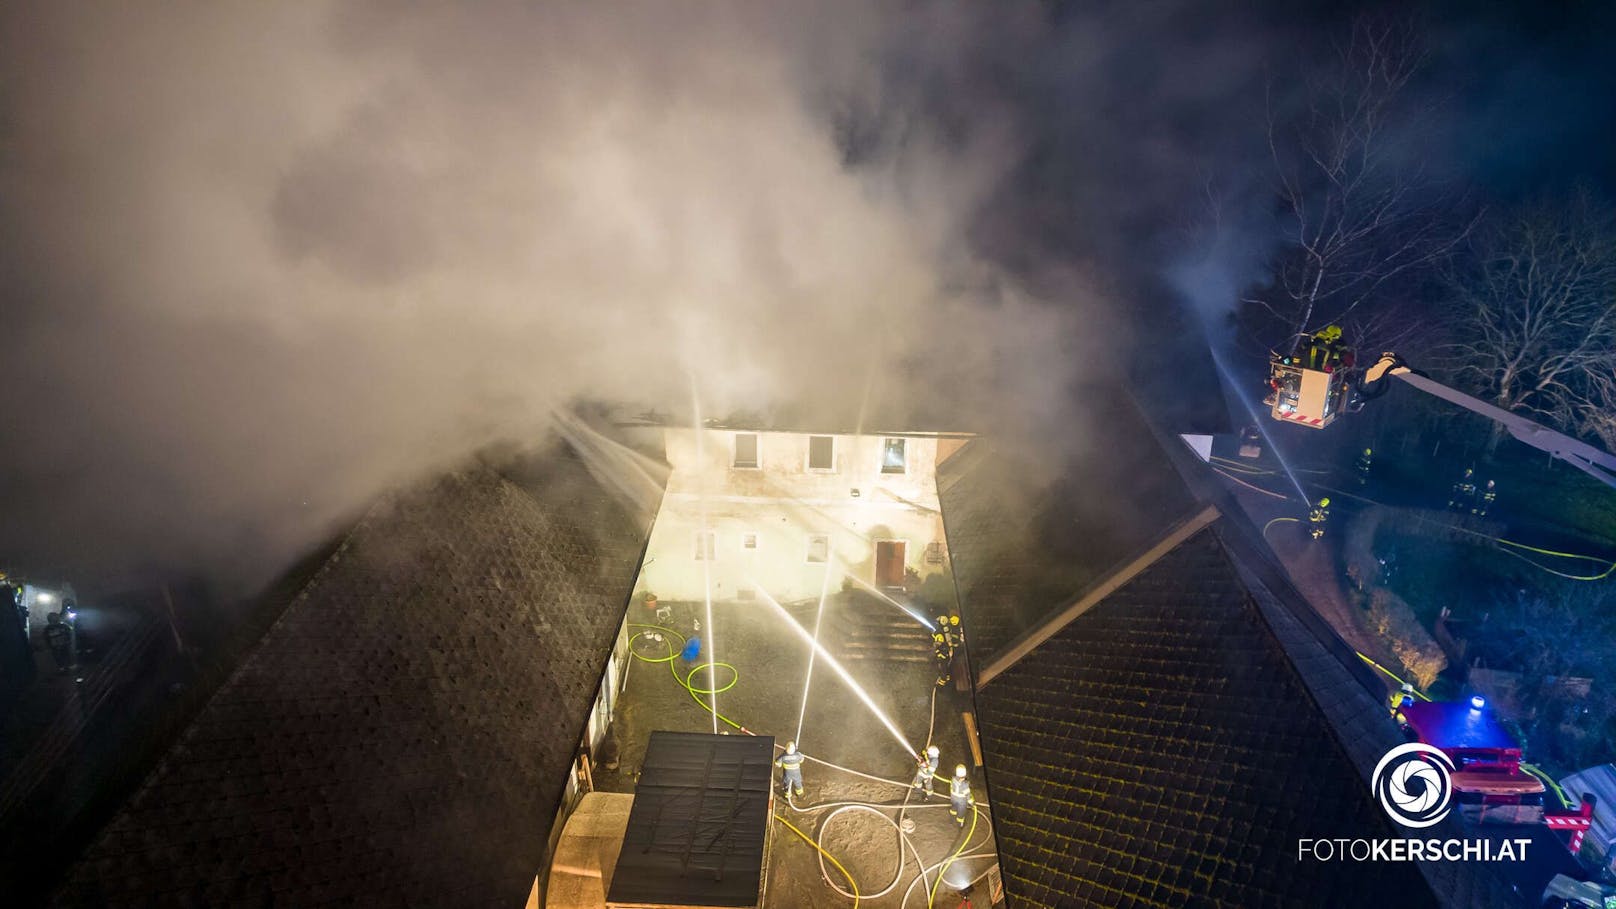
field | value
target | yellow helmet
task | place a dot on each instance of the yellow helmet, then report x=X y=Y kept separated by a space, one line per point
x=953 y=620
x=1324 y=502
x=1329 y=333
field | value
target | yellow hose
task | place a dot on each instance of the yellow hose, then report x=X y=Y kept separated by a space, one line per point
x=1570 y=577
x=809 y=840
x=1610 y=564
x=932 y=896
x=1394 y=677
x=1559 y=793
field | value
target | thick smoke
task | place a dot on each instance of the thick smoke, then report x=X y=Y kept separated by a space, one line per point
x=263 y=261
x=269 y=259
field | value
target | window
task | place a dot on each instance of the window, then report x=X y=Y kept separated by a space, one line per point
x=705 y=551
x=892 y=460
x=821 y=453
x=746 y=449
x=818 y=548
x=748 y=541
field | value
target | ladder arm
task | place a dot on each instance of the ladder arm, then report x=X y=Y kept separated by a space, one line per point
x=1600 y=465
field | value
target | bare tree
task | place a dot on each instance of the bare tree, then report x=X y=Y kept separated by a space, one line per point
x=1359 y=210
x=1558 y=634
x=1534 y=309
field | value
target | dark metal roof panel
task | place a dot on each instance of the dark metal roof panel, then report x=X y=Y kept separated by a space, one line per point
x=700 y=819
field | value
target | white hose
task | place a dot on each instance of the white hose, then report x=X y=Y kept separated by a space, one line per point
x=961 y=856
x=904 y=842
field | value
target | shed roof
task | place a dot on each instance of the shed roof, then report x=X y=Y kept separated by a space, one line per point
x=700 y=818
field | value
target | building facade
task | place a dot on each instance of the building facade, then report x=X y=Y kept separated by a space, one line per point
x=782 y=508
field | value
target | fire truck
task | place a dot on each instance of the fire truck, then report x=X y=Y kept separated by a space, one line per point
x=1489 y=785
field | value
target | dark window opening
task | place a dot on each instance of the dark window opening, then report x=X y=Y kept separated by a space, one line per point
x=892 y=456
x=746 y=449
x=821 y=453
x=818 y=548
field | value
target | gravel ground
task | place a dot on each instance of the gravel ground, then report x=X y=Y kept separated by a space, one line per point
x=771 y=662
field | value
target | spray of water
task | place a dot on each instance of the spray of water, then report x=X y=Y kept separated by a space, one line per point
x=1257 y=418
x=836 y=667
x=636 y=480
x=887 y=599
x=707 y=553
x=819 y=617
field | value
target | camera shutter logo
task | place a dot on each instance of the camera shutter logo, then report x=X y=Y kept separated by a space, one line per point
x=1414 y=783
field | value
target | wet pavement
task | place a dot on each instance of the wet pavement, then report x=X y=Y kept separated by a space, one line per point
x=770 y=664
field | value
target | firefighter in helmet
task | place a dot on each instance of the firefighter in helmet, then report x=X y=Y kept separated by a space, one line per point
x=1463 y=494
x=1402 y=697
x=959 y=795
x=942 y=650
x=1362 y=466
x=1324 y=348
x=1317 y=517
x=1488 y=494
x=926 y=770
x=790 y=765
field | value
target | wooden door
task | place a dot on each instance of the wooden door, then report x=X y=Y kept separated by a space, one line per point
x=889 y=561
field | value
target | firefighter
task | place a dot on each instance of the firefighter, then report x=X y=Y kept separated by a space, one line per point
x=927 y=770
x=790 y=765
x=1463 y=494
x=942 y=649
x=1401 y=698
x=1317 y=517
x=959 y=796
x=1488 y=494
x=1362 y=466
x=1324 y=348
x=59 y=638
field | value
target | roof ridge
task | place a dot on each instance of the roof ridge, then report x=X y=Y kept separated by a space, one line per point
x=1029 y=640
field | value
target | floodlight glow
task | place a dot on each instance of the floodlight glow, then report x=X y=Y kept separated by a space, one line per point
x=837 y=667
x=1478 y=702
x=45 y=597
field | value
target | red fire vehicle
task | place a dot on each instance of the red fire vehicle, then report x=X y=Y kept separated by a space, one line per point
x=1489 y=785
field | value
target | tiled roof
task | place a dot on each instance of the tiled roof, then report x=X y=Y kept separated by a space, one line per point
x=402 y=734
x=1162 y=750
x=1028 y=530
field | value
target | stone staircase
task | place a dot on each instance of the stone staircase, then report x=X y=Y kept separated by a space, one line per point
x=872 y=630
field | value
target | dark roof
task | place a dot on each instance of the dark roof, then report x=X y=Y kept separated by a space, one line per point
x=402 y=733
x=1028 y=529
x=1161 y=750
x=700 y=817
x=1171 y=743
